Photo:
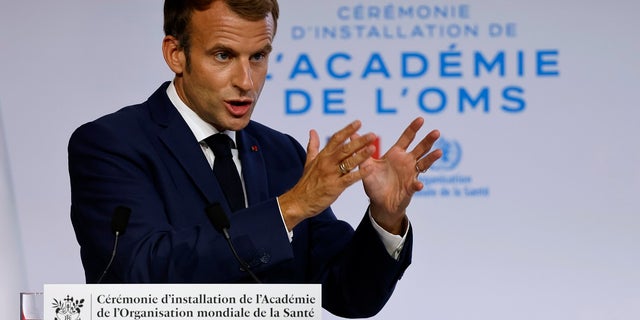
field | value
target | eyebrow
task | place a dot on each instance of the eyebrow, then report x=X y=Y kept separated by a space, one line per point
x=220 y=47
x=268 y=48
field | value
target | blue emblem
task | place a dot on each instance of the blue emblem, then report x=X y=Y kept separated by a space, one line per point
x=451 y=155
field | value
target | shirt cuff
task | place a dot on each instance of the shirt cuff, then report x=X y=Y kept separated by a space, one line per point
x=392 y=242
x=289 y=233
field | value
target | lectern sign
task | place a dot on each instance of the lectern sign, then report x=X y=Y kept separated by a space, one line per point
x=182 y=301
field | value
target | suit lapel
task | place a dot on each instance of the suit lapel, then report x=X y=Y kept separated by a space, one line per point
x=179 y=140
x=254 y=171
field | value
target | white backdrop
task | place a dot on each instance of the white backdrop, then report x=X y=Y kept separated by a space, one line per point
x=532 y=215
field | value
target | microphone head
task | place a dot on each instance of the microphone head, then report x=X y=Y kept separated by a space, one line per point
x=217 y=217
x=120 y=219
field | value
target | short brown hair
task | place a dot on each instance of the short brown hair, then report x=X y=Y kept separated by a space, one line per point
x=177 y=15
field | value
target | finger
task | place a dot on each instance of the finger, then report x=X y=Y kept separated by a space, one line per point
x=350 y=178
x=417 y=185
x=427 y=161
x=355 y=159
x=425 y=144
x=364 y=156
x=339 y=138
x=409 y=133
x=356 y=144
x=313 y=147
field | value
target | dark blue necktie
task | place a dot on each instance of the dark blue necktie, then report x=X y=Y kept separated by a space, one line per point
x=225 y=170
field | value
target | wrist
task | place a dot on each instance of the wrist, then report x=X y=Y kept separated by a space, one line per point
x=291 y=210
x=395 y=223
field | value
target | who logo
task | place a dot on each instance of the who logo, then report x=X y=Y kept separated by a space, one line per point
x=451 y=155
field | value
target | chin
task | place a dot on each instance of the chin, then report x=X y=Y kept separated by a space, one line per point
x=238 y=124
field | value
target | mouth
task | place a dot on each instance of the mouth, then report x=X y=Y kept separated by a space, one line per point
x=239 y=107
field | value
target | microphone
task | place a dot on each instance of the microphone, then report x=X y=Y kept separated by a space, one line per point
x=220 y=222
x=119 y=223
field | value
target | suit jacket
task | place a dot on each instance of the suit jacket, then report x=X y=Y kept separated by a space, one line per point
x=146 y=158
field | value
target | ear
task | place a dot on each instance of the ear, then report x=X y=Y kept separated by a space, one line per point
x=174 y=54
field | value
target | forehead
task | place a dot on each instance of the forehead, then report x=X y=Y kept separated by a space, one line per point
x=220 y=25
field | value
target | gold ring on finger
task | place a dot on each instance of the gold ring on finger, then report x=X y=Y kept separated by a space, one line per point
x=342 y=168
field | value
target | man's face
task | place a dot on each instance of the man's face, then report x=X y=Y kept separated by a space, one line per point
x=228 y=67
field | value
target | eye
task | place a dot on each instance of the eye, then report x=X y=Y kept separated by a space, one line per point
x=258 y=56
x=222 y=56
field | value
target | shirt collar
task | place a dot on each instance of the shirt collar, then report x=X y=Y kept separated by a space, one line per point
x=200 y=128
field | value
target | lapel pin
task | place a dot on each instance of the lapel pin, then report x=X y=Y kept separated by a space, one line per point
x=254 y=148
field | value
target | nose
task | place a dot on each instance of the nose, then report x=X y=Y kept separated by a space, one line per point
x=242 y=76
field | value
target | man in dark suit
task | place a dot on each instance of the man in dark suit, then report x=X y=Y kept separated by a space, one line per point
x=156 y=158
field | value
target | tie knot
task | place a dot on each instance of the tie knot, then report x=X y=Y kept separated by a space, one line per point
x=220 y=144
